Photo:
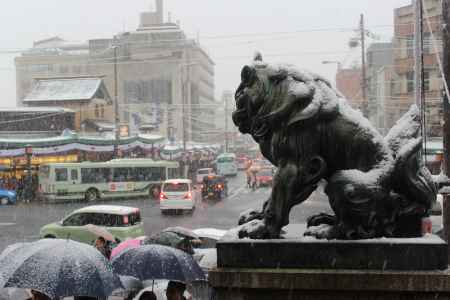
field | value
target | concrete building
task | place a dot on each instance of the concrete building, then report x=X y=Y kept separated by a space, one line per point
x=165 y=80
x=382 y=90
x=348 y=82
x=379 y=63
x=403 y=44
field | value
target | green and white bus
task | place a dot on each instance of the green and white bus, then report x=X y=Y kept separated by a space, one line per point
x=117 y=178
x=226 y=164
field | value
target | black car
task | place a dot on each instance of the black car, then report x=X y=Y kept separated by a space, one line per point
x=214 y=187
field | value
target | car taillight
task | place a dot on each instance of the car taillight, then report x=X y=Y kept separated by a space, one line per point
x=188 y=195
x=162 y=196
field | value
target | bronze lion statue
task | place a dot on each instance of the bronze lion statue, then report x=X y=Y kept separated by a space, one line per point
x=377 y=186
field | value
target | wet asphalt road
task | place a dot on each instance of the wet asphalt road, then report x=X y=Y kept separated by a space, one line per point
x=22 y=222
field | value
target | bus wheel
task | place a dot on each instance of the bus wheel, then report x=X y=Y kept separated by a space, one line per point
x=91 y=195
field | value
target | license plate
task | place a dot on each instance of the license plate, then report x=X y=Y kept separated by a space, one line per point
x=210 y=194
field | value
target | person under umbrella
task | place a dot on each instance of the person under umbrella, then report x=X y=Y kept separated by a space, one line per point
x=175 y=290
x=36 y=295
x=101 y=245
x=147 y=295
x=57 y=268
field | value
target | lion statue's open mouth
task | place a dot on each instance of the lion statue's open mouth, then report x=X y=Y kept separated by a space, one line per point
x=377 y=186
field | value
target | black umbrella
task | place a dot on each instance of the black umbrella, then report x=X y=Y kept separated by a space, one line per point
x=57 y=268
x=153 y=262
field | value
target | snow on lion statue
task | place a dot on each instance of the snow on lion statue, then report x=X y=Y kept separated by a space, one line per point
x=376 y=186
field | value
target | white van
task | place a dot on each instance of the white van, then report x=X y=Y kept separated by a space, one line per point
x=202 y=173
x=177 y=194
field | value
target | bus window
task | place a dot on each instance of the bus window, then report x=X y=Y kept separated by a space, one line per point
x=173 y=173
x=123 y=174
x=74 y=174
x=95 y=175
x=61 y=174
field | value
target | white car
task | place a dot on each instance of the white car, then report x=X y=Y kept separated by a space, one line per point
x=177 y=194
x=201 y=173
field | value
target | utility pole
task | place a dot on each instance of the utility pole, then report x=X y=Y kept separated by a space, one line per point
x=116 y=106
x=363 y=66
x=226 y=122
x=446 y=106
x=183 y=106
x=418 y=55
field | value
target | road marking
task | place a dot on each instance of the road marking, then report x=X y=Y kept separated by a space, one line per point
x=7 y=224
x=236 y=192
x=245 y=190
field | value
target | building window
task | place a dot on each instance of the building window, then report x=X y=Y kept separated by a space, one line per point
x=426 y=81
x=427 y=43
x=76 y=69
x=410 y=82
x=41 y=68
x=151 y=91
x=97 y=114
x=102 y=111
x=63 y=69
x=410 y=46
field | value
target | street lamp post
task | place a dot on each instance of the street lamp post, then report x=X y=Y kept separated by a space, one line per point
x=28 y=179
x=116 y=107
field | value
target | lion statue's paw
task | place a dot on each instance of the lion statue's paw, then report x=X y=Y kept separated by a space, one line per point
x=320 y=219
x=249 y=215
x=323 y=231
x=255 y=229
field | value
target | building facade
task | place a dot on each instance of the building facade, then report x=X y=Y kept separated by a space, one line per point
x=403 y=59
x=379 y=63
x=348 y=83
x=165 y=81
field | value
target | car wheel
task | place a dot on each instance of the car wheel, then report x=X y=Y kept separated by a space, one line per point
x=4 y=201
x=91 y=195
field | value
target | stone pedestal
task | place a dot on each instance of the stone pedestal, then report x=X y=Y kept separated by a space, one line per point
x=307 y=268
x=304 y=284
x=410 y=254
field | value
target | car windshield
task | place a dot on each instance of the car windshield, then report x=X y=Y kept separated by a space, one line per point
x=203 y=171
x=176 y=187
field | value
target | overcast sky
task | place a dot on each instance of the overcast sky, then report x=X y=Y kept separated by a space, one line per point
x=297 y=31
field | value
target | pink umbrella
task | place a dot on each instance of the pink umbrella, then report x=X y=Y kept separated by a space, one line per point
x=132 y=243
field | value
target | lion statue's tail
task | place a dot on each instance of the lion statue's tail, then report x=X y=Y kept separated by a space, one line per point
x=411 y=178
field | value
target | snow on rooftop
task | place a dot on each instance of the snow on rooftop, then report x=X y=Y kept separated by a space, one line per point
x=64 y=89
